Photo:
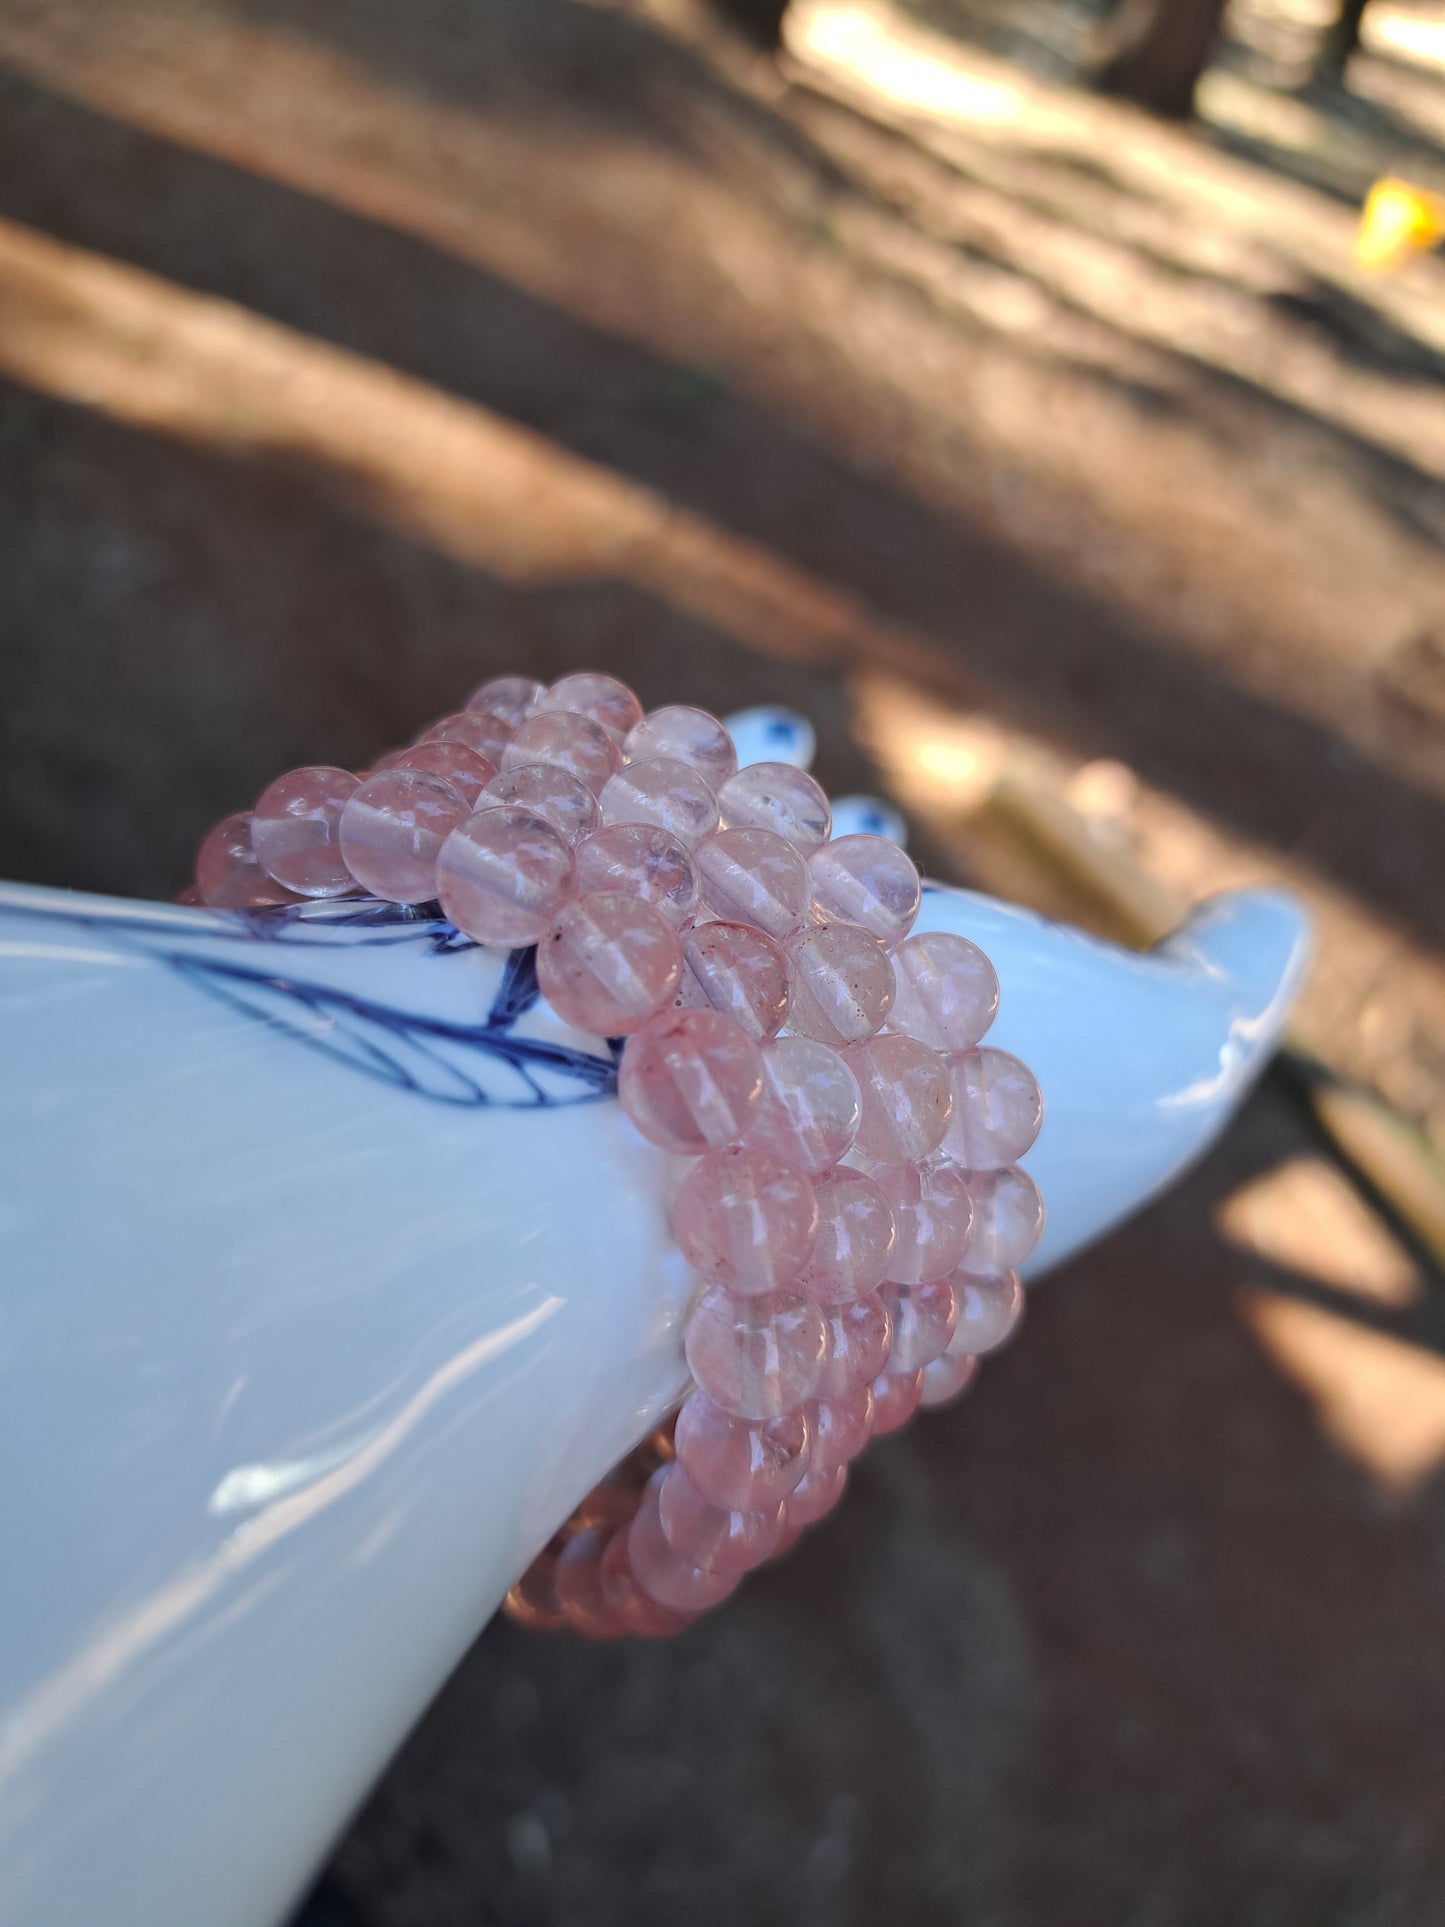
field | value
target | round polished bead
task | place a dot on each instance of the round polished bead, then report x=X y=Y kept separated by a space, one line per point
x=841 y=1426
x=624 y=1598
x=578 y=1581
x=859 y=1335
x=743 y=1463
x=479 y=729
x=947 y=990
x=816 y=1495
x=997 y=1110
x=1008 y=1219
x=601 y=699
x=756 y=1357
x=685 y=735
x=665 y=1575
x=512 y=698
x=745 y=1220
x=644 y=862
x=854 y=1240
x=465 y=769
x=735 y=969
x=869 y=881
x=907 y=1097
x=229 y=874
x=503 y=875
x=842 y=984
x=777 y=797
x=608 y=963
x=990 y=1308
x=551 y=793
x=296 y=830
x=717 y=1538
x=689 y=1080
x=923 y=1318
x=533 y=1602
x=582 y=748
x=896 y=1397
x=932 y=1209
x=948 y=1378
x=752 y=876
x=665 y=793
x=809 y=1110
x=392 y=831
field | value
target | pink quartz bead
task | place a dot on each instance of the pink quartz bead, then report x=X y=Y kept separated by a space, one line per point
x=990 y=1309
x=716 y=1538
x=859 y=1335
x=689 y=1080
x=947 y=991
x=841 y=1427
x=548 y=792
x=608 y=963
x=756 y=1357
x=923 y=1318
x=735 y=969
x=745 y=1220
x=662 y=792
x=854 y=1241
x=868 y=881
x=465 y=769
x=997 y=1110
x=667 y=1577
x=842 y=984
x=578 y=1582
x=742 y=1463
x=816 y=1496
x=948 y=1378
x=907 y=1098
x=642 y=861
x=296 y=830
x=896 y=1397
x=228 y=873
x=601 y=699
x=392 y=831
x=777 y=797
x=533 y=1602
x=582 y=748
x=810 y=1107
x=513 y=698
x=1008 y=1219
x=932 y=1208
x=752 y=876
x=503 y=875
x=628 y=1604
x=480 y=731
x=685 y=735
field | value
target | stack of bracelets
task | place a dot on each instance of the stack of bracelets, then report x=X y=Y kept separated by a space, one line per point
x=851 y=1206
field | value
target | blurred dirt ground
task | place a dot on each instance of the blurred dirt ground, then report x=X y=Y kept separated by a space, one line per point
x=351 y=351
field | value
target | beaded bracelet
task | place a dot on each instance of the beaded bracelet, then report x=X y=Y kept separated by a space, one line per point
x=853 y=1211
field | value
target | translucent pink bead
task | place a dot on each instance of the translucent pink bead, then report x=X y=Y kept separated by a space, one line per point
x=513 y=698
x=584 y=749
x=923 y=1320
x=869 y=881
x=947 y=990
x=809 y=1110
x=777 y=797
x=532 y=1602
x=1008 y=1219
x=842 y=984
x=644 y=862
x=756 y=1357
x=228 y=874
x=735 y=969
x=990 y=1308
x=663 y=1573
x=948 y=1378
x=551 y=793
x=465 y=769
x=907 y=1097
x=896 y=1397
x=628 y=1604
x=688 y=736
x=854 y=1240
x=841 y=1427
x=392 y=831
x=745 y=1220
x=602 y=699
x=503 y=875
x=578 y=1582
x=859 y=1335
x=296 y=830
x=932 y=1208
x=741 y=1463
x=997 y=1110
x=689 y=1080
x=752 y=876
x=608 y=963
x=478 y=729
x=717 y=1538
x=815 y=1497
x=663 y=792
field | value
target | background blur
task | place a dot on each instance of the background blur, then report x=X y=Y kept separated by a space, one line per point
x=1058 y=459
